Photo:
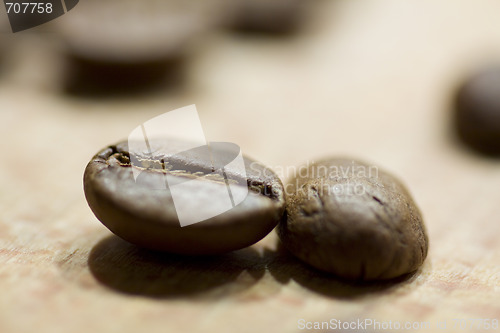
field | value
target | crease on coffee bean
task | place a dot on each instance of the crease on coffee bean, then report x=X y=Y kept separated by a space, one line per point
x=162 y=166
x=265 y=189
x=394 y=253
x=381 y=220
x=400 y=237
x=320 y=199
x=378 y=200
x=308 y=212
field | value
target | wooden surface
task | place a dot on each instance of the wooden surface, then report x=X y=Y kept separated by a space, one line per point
x=370 y=79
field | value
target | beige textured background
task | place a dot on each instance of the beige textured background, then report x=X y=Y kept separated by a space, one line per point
x=370 y=79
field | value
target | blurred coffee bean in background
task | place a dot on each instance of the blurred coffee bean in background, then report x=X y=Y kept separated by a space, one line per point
x=477 y=111
x=267 y=16
x=123 y=46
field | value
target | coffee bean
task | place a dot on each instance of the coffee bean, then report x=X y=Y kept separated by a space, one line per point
x=353 y=220
x=127 y=45
x=477 y=111
x=142 y=211
x=277 y=16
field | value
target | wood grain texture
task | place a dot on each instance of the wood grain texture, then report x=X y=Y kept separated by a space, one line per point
x=369 y=79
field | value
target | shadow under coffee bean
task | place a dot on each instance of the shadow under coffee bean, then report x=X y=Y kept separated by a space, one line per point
x=132 y=270
x=142 y=210
x=285 y=267
x=129 y=269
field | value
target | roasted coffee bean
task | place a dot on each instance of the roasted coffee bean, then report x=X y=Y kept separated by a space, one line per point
x=127 y=45
x=353 y=220
x=276 y=16
x=146 y=210
x=477 y=111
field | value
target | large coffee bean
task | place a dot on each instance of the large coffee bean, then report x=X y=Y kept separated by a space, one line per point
x=146 y=210
x=353 y=220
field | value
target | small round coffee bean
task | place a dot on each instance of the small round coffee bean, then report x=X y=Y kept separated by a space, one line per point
x=354 y=220
x=142 y=211
x=477 y=111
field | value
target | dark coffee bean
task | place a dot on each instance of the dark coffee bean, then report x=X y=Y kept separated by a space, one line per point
x=125 y=45
x=143 y=212
x=276 y=16
x=353 y=220
x=477 y=115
